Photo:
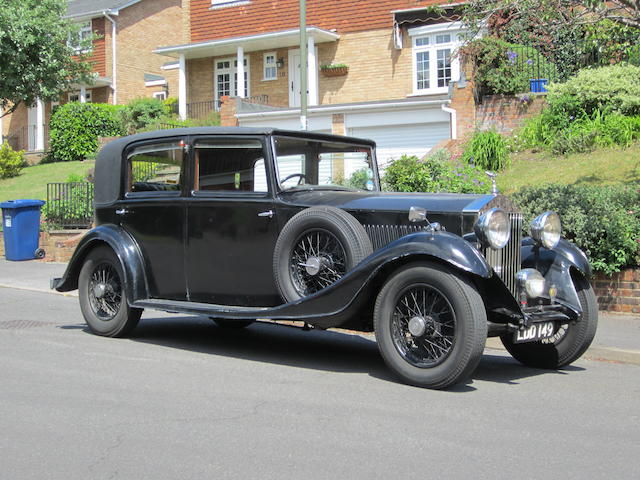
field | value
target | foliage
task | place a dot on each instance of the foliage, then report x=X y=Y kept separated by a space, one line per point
x=603 y=221
x=75 y=205
x=613 y=42
x=435 y=174
x=142 y=112
x=488 y=150
x=613 y=88
x=11 y=162
x=37 y=61
x=358 y=179
x=75 y=128
x=496 y=69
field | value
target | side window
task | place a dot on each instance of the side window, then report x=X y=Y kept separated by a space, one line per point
x=230 y=165
x=156 y=167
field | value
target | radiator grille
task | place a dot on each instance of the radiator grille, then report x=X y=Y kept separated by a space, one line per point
x=382 y=235
x=506 y=261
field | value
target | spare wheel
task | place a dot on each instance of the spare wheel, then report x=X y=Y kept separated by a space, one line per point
x=316 y=248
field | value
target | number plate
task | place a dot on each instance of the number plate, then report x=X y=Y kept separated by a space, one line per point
x=534 y=333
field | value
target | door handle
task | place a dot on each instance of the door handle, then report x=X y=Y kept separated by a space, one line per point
x=268 y=214
x=122 y=211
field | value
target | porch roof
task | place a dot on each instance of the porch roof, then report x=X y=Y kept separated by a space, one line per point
x=263 y=41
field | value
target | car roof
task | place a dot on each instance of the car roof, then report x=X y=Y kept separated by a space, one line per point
x=109 y=161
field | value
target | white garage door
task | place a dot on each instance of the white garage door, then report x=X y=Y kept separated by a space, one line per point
x=393 y=141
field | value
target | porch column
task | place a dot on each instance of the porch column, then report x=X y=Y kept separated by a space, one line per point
x=83 y=94
x=182 y=88
x=39 y=125
x=313 y=71
x=240 y=72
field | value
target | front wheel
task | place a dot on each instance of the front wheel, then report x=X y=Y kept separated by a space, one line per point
x=430 y=325
x=570 y=341
x=102 y=295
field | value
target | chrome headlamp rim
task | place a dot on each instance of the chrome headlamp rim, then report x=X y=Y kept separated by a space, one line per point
x=546 y=229
x=492 y=228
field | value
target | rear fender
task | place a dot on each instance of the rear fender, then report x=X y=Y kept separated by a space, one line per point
x=125 y=249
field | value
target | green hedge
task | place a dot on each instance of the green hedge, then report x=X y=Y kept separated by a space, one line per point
x=11 y=162
x=75 y=128
x=603 y=221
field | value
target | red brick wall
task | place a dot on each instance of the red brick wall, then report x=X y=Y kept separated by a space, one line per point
x=228 y=109
x=507 y=113
x=260 y=16
x=620 y=292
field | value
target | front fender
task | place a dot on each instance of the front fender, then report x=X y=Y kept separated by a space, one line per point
x=125 y=249
x=556 y=264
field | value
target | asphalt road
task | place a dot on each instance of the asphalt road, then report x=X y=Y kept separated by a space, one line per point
x=183 y=399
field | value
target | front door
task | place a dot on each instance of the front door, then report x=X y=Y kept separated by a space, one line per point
x=294 y=78
x=153 y=213
x=231 y=224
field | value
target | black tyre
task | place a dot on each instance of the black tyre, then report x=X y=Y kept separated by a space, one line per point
x=430 y=325
x=102 y=295
x=570 y=341
x=232 y=324
x=315 y=249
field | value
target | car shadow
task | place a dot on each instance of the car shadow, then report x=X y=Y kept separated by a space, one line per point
x=326 y=350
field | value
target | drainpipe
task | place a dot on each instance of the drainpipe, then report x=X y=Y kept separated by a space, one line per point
x=114 y=63
x=454 y=119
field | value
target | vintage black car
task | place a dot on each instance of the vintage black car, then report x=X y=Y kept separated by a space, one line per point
x=241 y=224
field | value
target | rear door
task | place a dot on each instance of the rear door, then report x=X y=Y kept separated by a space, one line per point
x=231 y=224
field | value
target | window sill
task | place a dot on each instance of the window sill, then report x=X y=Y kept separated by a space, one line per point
x=426 y=93
x=268 y=79
x=231 y=3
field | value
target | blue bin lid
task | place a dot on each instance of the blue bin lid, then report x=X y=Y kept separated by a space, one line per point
x=22 y=203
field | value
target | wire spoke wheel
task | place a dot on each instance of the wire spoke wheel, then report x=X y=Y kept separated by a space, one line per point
x=318 y=259
x=105 y=291
x=423 y=326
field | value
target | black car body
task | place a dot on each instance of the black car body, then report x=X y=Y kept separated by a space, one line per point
x=207 y=221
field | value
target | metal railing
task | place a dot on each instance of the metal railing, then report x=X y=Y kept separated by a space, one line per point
x=25 y=138
x=70 y=204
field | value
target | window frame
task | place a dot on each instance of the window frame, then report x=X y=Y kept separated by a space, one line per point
x=216 y=4
x=87 y=96
x=265 y=56
x=266 y=156
x=431 y=32
x=162 y=95
x=232 y=70
x=85 y=30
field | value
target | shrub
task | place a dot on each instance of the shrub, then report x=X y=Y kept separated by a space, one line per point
x=610 y=89
x=11 y=162
x=603 y=221
x=488 y=150
x=435 y=174
x=142 y=112
x=75 y=128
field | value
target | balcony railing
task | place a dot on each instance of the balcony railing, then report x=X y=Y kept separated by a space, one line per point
x=203 y=109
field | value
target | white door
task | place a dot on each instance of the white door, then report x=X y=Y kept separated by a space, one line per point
x=32 y=122
x=294 y=79
x=393 y=141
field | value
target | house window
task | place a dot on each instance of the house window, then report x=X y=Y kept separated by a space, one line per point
x=433 y=64
x=84 y=33
x=160 y=95
x=75 y=96
x=226 y=73
x=269 y=65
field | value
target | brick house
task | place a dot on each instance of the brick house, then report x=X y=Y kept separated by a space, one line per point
x=124 y=65
x=398 y=90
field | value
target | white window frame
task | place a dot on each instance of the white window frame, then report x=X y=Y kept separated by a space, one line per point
x=85 y=31
x=232 y=71
x=430 y=32
x=162 y=95
x=265 y=65
x=76 y=94
x=215 y=4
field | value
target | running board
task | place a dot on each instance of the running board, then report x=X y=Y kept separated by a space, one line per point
x=227 y=311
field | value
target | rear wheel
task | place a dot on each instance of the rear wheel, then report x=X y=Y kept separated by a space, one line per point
x=570 y=341
x=430 y=325
x=102 y=295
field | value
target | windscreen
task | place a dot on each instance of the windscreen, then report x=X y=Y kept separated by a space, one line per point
x=304 y=163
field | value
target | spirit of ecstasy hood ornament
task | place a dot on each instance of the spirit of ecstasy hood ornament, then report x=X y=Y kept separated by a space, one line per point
x=494 y=186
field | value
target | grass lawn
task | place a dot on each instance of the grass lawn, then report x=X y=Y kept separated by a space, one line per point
x=604 y=166
x=32 y=181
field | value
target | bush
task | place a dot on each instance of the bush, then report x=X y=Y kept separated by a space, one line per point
x=435 y=174
x=75 y=128
x=603 y=221
x=611 y=89
x=142 y=112
x=488 y=150
x=11 y=162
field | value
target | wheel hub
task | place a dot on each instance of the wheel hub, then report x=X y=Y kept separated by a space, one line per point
x=99 y=290
x=313 y=265
x=417 y=326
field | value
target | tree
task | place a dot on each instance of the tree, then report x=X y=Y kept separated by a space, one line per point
x=36 y=59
